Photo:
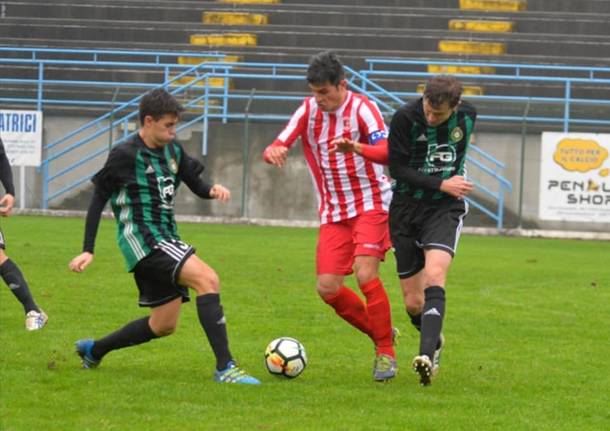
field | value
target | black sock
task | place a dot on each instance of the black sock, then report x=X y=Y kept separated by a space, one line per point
x=415 y=320
x=14 y=280
x=213 y=322
x=135 y=332
x=432 y=320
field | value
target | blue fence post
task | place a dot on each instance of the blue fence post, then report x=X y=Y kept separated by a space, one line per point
x=225 y=96
x=45 y=185
x=40 y=89
x=500 y=208
x=566 y=113
x=206 y=101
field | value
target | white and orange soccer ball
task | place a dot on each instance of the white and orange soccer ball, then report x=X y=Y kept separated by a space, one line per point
x=286 y=357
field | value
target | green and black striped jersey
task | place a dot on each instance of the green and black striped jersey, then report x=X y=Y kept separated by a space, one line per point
x=141 y=184
x=421 y=156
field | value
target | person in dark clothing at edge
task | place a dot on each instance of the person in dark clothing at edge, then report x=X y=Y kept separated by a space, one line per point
x=35 y=318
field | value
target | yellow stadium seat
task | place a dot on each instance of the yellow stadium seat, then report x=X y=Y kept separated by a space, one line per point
x=494 y=5
x=481 y=26
x=224 y=39
x=452 y=69
x=468 y=47
x=234 y=18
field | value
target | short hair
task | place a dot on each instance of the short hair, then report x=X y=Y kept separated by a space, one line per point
x=325 y=67
x=443 y=88
x=157 y=103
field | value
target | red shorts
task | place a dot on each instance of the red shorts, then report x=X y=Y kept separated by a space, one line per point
x=339 y=243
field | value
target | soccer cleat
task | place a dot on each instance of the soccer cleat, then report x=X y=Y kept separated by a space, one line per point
x=395 y=336
x=385 y=368
x=423 y=366
x=436 y=359
x=35 y=320
x=83 y=348
x=234 y=374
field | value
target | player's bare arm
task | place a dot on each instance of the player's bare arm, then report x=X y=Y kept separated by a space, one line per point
x=81 y=262
x=276 y=155
x=457 y=186
x=6 y=205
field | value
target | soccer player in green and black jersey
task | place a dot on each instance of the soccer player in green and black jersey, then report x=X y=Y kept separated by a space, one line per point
x=428 y=142
x=140 y=179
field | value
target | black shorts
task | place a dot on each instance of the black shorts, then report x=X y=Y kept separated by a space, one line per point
x=417 y=225
x=157 y=274
x=2 y=246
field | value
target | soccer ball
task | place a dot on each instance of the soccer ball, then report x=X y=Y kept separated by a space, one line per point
x=286 y=357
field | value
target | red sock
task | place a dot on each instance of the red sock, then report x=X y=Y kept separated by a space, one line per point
x=378 y=308
x=350 y=307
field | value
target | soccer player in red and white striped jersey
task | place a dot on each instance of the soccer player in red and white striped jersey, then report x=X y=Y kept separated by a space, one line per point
x=344 y=140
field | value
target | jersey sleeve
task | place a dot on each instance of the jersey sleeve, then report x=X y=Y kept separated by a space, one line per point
x=114 y=173
x=189 y=171
x=295 y=127
x=399 y=144
x=373 y=131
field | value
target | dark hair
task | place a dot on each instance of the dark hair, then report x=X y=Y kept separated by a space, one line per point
x=325 y=67
x=441 y=89
x=157 y=103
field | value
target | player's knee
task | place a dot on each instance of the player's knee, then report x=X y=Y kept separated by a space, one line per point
x=365 y=274
x=163 y=329
x=207 y=282
x=326 y=290
x=414 y=303
x=435 y=276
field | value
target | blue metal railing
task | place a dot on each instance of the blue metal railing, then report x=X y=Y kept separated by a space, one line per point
x=568 y=76
x=192 y=82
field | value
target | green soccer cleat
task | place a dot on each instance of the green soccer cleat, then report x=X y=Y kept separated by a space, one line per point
x=385 y=368
x=83 y=349
x=423 y=366
x=234 y=374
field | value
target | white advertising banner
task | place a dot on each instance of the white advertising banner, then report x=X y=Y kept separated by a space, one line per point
x=575 y=177
x=21 y=133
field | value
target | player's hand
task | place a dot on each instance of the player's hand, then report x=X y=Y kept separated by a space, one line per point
x=344 y=145
x=457 y=186
x=276 y=155
x=80 y=262
x=220 y=192
x=6 y=205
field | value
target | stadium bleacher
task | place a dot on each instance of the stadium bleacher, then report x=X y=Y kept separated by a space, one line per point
x=290 y=31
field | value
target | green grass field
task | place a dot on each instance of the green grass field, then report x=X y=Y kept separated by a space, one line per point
x=527 y=328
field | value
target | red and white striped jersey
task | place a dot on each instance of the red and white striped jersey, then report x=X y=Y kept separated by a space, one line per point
x=347 y=184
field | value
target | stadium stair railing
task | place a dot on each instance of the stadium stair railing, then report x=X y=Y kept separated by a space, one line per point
x=567 y=76
x=198 y=98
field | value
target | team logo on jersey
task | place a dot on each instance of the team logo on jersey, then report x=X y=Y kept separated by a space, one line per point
x=173 y=166
x=377 y=136
x=166 y=191
x=457 y=134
